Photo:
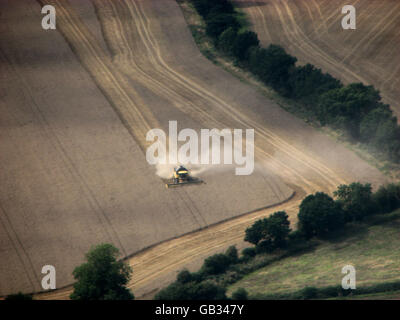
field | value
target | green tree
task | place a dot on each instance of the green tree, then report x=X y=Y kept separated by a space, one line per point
x=208 y=7
x=387 y=137
x=221 y=7
x=320 y=214
x=272 y=66
x=269 y=233
x=216 y=264
x=102 y=277
x=205 y=290
x=345 y=107
x=240 y=294
x=356 y=200
x=255 y=233
x=387 y=197
x=278 y=229
x=243 y=42
x=218 y=23
x=184 y=276
x=232 y=254
x=308 y=83
x=308 y=293
x=226 y=40
x=372 y=120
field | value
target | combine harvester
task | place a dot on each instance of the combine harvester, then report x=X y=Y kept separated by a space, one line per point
x=181 y=177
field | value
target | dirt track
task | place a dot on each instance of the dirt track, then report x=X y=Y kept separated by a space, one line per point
x=311 y=30
x=151 y=72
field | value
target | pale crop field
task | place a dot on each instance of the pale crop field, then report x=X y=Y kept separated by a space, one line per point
x=312 y=31
x=76 y=105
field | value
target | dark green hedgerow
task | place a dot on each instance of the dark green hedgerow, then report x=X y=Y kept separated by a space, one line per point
x=329 y=292
x=355 y=110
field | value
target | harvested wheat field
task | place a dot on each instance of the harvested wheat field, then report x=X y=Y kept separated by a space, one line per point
x=312 y=31
x=76 y=104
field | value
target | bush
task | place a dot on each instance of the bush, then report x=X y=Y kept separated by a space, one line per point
x=269 y=233
x=387 y=138
x=248 y=253
x=330 y=292
x=272 y=66
x=319 y=214
x=356 y=200
x=184 y=276
x=206 y=7
x=240 y=294
x=265 y=246
x=387 y=198
x=232 y=255
x=295 y=236
x=206 y=291
x=216 y=264
x=372 y=121
x=226 y=40
x=346 y=106
x=216 y=24
x=308 y=293
x=243 y=42
x=255 y=233
x=221 y=7
x=308 y=83
x=278 y=229
x=192 y=291
x=102 y=277
x=356 y=109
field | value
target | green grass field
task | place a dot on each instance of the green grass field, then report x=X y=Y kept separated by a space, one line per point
x=373 y=250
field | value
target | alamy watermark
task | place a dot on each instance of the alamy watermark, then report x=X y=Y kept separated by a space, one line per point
x=49 y=280
x=49 y=20
x=349 y=280
x=349 y=20
x=197 y=150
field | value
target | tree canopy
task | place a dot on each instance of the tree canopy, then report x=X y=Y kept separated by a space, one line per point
x=205 y=290
x=320 y=214
x=356 y=200
x=102 y=277
x=269 y=233
x=272 y=66
x=242 y=43
x=218 y=23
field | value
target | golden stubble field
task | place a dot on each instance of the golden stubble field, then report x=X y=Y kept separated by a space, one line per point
x=311 y=30
x=76 y=105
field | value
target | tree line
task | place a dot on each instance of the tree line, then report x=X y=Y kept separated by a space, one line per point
x=356 y=110
x=319 y=216
x=104 y=277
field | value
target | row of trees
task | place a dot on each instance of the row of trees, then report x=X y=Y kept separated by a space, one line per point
x=104 y=277
x=201 y=285
x=355 y=109
x=319 y=214
x=218 y=16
